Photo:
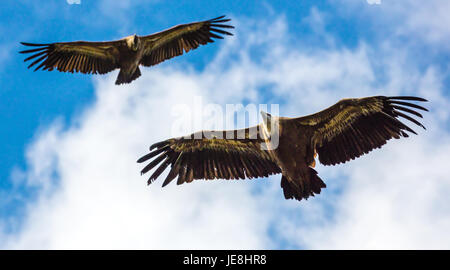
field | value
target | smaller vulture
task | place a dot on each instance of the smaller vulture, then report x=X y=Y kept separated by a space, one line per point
x=344 y=131
x=127 y=53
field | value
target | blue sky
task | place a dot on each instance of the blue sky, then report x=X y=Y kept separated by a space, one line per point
x=303 y=55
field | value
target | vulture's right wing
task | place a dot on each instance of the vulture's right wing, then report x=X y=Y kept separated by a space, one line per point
x=210 y=155
x=78 y=56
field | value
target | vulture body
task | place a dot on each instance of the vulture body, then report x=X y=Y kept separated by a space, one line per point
x=128 y=53
x=344 y=131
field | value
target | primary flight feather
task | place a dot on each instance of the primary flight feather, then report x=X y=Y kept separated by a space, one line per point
x=125 y=54
x=340 y=133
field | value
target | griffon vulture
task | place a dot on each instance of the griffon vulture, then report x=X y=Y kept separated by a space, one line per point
x=128 y=53
x=344 y=131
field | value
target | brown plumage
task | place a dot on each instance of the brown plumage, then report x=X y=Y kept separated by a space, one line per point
x=125 y=54
x=344 y=131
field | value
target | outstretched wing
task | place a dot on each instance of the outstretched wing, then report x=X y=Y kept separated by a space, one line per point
x=78 y=56
x=210 y=155
x=353 y=127
x=181 y=38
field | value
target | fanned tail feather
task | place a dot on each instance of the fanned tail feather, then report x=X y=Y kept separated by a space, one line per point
x=309 y=185
x=124 y=77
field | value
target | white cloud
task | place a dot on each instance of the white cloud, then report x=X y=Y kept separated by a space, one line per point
x=374 y=2
x=423 y=21
x=93 y=197
x=398 y=198
x=426 y=18
x=99 y=192
x=71 y=2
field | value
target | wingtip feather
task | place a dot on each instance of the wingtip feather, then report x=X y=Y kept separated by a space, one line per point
x=217 y=18
x=408 y=98
x=33 y=44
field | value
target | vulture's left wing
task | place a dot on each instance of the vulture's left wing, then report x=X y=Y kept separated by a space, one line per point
x=210 y=155
x=181 y=38
x=353 y=127
x=78 y=56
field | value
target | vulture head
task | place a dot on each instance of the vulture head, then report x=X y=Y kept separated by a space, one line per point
x=270 y=124
x=133 y=42
x=265 y=116
x=267 y=119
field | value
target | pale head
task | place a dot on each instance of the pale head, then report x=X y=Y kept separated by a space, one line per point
x=133 y=42
x=270 y=131
x=267 y=121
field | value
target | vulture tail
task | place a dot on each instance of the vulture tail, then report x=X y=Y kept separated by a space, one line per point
x=309 y=185
x=125 y=77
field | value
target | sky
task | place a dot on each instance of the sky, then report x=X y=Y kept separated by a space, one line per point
x=68 y=172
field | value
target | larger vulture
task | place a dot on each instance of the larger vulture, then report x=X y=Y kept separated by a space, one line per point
x=127 y=53
x=344 y=131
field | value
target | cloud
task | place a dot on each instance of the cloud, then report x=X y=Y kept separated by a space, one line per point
x=374 y=2
x=91 y=194
x=420 y=21
x=71 y=2
x=428 y=19
x=394 y=207
x=92 y=188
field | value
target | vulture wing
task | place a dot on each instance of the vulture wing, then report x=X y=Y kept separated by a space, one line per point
x=353 y=127
x=181 y=38
x=78 y=56
x=210 y=155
